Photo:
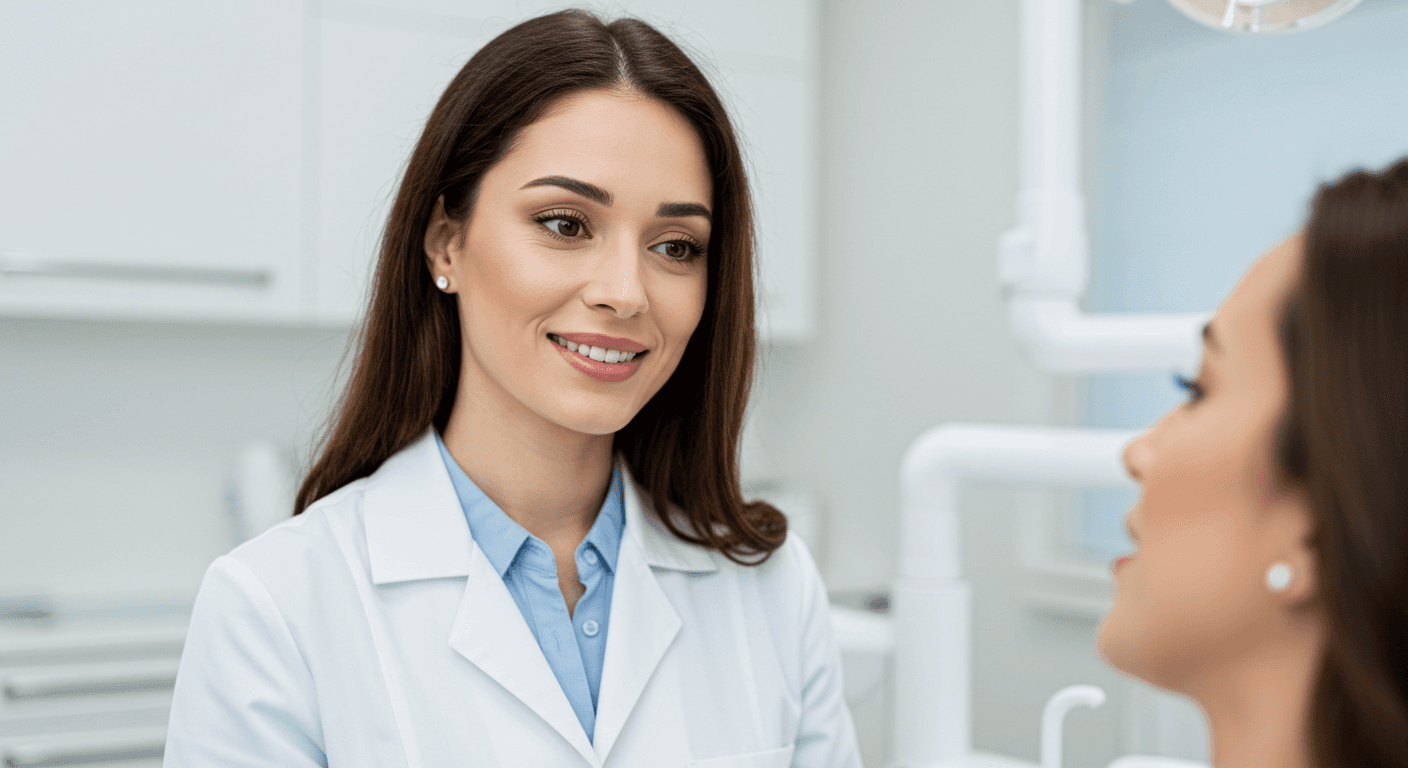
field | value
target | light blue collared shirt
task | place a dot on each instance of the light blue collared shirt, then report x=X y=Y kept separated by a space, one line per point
x=575 y=645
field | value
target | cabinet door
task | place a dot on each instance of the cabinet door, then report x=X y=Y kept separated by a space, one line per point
x=381 y=72
x=151 y=156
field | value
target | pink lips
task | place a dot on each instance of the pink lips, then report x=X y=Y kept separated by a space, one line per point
x=604 y=341
x=607 y=372
x=1120 y=561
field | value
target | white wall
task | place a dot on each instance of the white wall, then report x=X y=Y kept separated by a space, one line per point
x=118 y=442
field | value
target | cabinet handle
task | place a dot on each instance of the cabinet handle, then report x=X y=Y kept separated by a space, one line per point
x=117 y=751
x=31 y=264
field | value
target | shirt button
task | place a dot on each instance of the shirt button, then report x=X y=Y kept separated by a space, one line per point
x=590 y=557
x=590 y=628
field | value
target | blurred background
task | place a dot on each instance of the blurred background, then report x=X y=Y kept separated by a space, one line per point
x=191 y=194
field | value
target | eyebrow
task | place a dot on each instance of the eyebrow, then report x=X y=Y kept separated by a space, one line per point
x=683 y=209
x=1209 y=339
x=585 y=189
x=597 y=194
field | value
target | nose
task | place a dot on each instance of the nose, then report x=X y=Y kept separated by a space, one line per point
x=1135 y=457
x=617 y=282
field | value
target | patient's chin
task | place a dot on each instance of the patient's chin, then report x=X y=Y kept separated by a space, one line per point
x=1114 y=641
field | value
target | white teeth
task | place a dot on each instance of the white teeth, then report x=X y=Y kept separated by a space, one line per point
x=600 y=354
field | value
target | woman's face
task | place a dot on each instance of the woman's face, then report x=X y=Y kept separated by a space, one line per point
x=1213 y=516
x=589 y=234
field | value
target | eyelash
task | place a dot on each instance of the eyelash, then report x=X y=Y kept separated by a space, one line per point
x=544 y=218
x=1194 y=389
x=695 y=249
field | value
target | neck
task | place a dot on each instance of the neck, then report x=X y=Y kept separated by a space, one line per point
x=1257 y=705
x=549 y=479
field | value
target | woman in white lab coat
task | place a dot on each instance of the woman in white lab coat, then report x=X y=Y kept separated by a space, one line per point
x=523 y=542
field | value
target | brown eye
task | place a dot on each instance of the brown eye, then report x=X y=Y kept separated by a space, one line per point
x=679 y=250
x=564 y=226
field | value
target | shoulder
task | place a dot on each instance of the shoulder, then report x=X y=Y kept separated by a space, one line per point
x=787 y=587
x=304 y=538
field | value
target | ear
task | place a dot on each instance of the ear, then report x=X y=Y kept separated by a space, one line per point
x=443 y=242
x=1299 y=550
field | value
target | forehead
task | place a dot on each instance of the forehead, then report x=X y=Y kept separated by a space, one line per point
x=1248 y=322
x=629 y=144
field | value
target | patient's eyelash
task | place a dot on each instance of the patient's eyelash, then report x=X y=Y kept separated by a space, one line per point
x=1194 y=389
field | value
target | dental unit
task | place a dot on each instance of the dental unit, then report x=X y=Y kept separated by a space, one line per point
x=1043 y=267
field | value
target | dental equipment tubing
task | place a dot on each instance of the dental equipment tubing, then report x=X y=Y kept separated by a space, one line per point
x=931 y=600
x=1043 y=265
x=1044 y=262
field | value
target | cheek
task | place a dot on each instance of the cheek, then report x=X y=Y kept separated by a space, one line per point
x=506 y=284
x=680 y=304
x=1191 y=592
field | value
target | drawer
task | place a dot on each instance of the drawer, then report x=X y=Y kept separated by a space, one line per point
x=84 y=688
x=116 y=748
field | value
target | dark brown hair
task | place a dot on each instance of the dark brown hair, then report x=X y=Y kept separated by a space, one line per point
x=1344 y=441
x=683 y=444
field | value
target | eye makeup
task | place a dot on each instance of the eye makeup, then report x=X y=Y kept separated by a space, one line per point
x=692 y=250
x=576 y=224
x=1191 y=386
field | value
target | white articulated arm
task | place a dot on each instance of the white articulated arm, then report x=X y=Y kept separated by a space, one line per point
x=931 y=604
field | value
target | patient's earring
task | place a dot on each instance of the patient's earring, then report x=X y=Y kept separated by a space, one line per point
x=442 y=282
x=1278 y=577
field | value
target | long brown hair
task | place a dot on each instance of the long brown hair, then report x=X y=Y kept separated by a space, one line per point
x=683 y=445
x=1344 y=441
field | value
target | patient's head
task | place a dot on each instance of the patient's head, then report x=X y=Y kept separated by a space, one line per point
x=1272 y=530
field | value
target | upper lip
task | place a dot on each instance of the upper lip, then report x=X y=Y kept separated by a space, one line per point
x=603 y=341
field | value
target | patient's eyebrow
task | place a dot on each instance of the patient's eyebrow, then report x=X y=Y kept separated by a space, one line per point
x=683 y=209
x=1209 y=338
x=585 y=189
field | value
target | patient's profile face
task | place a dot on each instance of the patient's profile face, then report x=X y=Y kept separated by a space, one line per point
x=1213 y=515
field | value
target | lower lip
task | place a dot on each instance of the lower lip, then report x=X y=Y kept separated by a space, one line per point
x=607 y=372
x=1121 y=561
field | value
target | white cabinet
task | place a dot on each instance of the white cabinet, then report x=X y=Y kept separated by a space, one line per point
x=380 y=73
x=96 y=693
x=150 y=159
x=235 y=161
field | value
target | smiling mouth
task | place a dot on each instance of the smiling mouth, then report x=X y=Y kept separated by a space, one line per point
x=599 y=354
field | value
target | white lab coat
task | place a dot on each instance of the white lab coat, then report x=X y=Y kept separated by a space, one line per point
x=371 y=631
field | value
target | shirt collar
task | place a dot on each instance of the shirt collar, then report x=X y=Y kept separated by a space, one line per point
x=500 y=538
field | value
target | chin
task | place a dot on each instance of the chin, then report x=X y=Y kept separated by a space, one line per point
x=1113 y=642
x=592 y=423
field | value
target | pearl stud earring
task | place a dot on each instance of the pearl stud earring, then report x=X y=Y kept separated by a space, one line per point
x=442 y=282
x=1278 y=577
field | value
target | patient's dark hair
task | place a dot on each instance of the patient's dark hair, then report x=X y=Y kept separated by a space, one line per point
x=1344 y=442
x=683 y=444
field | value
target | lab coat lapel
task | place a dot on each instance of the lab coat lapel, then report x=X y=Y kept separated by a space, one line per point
x=490 y=632
x=643 y=621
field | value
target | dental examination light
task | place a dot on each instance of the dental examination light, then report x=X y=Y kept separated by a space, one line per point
x=1263 y=17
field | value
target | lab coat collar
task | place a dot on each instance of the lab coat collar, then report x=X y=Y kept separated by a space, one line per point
x=416 y=528
x=660 y=547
